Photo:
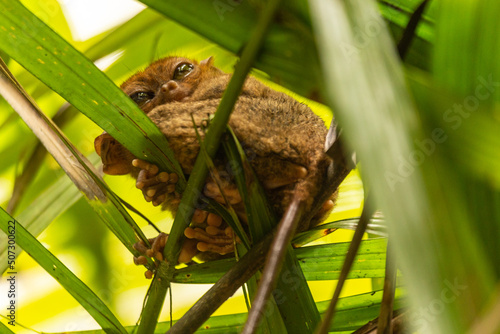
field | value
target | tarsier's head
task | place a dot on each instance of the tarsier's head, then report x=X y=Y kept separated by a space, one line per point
x=165 y=81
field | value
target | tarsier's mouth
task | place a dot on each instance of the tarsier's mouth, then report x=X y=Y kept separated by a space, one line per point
x=115 y=169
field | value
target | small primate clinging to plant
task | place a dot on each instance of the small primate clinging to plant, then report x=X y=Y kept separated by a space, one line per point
x=283 y=137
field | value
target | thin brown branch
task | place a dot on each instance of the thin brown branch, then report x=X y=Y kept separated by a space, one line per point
x=254 y=259
x=286 y=230
x=386 y=308
x=397 y=323
x=47 y=132
x=224 y=288
x=411 y=27
x=245 y=268
x=33 y=163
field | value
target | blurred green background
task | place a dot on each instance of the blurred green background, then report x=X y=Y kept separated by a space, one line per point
x=77 y=236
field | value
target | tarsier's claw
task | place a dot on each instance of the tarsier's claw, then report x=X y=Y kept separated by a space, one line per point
x=212 y=230
x=151 y=191
x=214 y=220
x=164 y=177
x=199 y=216
x=229 y=232
x=328 y=205
x=170 y=188
x=173 y=178
x=140 y=260
x=148 y=274
x=325 y=209
x=188 y=251
x=159 y=200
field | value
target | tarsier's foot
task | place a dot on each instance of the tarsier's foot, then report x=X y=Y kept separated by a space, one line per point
x=155 y=187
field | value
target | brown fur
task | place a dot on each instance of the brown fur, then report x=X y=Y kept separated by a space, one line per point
x=277 y=132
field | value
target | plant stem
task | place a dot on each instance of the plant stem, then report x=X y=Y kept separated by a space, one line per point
x=200 y=171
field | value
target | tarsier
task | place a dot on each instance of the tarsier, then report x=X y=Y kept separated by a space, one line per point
x=284 y=138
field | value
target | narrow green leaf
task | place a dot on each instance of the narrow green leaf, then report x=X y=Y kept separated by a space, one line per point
x=229 y=213
x=56 y=63
x=299 y=317
x=272 y=321
x=77 y=167
x=200 y=170
x=369 y=94
x=44 y=210
x=354 y=311
x=398 y=12
x=86 y=297
x=376 y=227
x=261 y=218
x=321 y=262
x=5 y=329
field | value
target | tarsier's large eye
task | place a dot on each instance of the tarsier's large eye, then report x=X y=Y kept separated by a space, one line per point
x=182 y=70
x=142 y=98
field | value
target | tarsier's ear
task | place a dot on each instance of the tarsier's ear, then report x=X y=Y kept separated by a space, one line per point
x=207 y=62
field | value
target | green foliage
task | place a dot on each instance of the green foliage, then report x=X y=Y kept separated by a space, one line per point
x=425 y=131
x=61 y=273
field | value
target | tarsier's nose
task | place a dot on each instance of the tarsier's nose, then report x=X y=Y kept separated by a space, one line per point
x=172 y=91
x=111 y=153
x=169 y=86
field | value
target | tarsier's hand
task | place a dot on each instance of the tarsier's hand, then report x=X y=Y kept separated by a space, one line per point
x=207 y=232
x=155 y=187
